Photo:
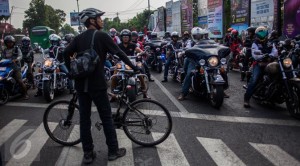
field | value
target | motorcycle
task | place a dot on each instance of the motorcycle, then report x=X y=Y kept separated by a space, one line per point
x=280 y=84
x=207 y=80
x=176 y=66
x=128 y=80
x=50 y=80
x=235 y=59
x=157 y=55
x=8 y=85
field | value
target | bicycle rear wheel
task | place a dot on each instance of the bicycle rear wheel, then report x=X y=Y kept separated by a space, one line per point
x=147 y=122
x=67 y=132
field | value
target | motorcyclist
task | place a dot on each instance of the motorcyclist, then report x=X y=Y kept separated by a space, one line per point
x=129 y=49
x=28 y=57
x=69 y=38
x=274 y=38
x=167 y=36
x=170 y=53
x=248 y=44
x=141 y=38
x=113 y=34
x=227 y=37
x=13 y=52
x=205 y=34
x=260 y=47
x=187 y=43
x=234 y=43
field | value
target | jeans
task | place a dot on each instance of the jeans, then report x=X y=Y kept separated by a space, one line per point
x=65 y=70
x=188 y=67
x=167 y=65
x=257 y=73
x=101 y=101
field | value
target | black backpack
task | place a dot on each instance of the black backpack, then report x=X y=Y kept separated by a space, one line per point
x=84 y=63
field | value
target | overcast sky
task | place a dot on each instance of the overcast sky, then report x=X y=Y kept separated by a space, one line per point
x=126 y=8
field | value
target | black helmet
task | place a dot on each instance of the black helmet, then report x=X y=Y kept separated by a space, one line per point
x=273 y=35
x=175 y=34
x=134 y=34
x=8 y=39
x=153 y=35
x=89 y=13
x=69 y=37
x=167 y=34
x=125 y=32
x=251 y=29
x=25 y=41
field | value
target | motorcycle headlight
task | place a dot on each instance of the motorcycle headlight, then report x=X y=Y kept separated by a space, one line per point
x=1 y=78
x=287 y=62
x=48 y=63
x=223 y=61
x=38 y=64
x=213 y=61
x=128 y=67
x=119 y=66
x=202 y=62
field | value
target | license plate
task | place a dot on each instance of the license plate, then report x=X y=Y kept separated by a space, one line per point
x=2 y=68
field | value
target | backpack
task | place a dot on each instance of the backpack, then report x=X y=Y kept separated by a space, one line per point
x=84 y=63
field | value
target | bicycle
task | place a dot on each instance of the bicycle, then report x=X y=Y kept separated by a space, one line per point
x=136 y=115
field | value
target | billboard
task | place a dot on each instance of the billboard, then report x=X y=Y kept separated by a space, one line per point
x=240 y=15
x=186 y=15
x=4 y=8
x=215 y=18
x=262 y=13
x=202 y=13
x=176 y=17
x=291 y=18
x=169 y=16
x=74 y=19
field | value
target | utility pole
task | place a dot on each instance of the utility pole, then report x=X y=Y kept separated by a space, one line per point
x=149 y=6
x=11 y=11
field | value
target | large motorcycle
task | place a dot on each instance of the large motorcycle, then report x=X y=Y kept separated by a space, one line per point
x=207 y=79
x=176 y=66
x=8 y=85
x=280 y=84
x=50 y=80
x=128 y=80
x=157 y=56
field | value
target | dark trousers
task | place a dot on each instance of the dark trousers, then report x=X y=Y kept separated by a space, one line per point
x=101 y=101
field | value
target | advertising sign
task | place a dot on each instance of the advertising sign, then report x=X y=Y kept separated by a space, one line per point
x=291 y=18
x=214 y=18
x=240 y=15
x=74 y=19
x=169 y=16
x=262 y=13
x=186 y=15
x=176 y=16
x=4 y=8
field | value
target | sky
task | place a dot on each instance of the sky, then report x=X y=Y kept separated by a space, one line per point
x=126 y=8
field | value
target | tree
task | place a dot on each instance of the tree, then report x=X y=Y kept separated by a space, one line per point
x=67 y=29
x=195 y=13
x=40 y=14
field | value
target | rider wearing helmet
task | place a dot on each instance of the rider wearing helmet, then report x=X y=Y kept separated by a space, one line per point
x=234 y=44
x=134 y=39
x=186 y=40
x=69 y=38
x=260 y=47
x=141 y=37
x=96 y=85
x=227 y=37
x=113 y=33
x=13 y=52
x=28 y=58
x=205 y=34
x=170 y=54
x=153 y=36
x=167 y=36
x=274 y=38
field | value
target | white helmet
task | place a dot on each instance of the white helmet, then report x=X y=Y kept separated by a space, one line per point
x=89 y=13
x=197 y=34
x=54 y=37
x=174 y=34
x=205 y=31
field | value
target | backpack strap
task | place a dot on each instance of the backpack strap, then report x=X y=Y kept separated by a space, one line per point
x=92 y=43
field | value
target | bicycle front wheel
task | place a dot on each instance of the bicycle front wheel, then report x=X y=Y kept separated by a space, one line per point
x=147 y=122
x=66 y=116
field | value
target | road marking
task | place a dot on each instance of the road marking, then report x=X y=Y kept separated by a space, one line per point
x=219 y=118
x=219 y=152
x=169 y=151
x=275 y=154
x=125 y=142
x=71 y=155
x=7 y=131
x=31 y=147
x=171 y=97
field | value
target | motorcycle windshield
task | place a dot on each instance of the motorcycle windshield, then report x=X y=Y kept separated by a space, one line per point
x=199 y=53
x=5 y=62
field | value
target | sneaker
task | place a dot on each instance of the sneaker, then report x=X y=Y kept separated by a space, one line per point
x=145 y=96
x=181 y=97
x=120 y=153
x=89 y=157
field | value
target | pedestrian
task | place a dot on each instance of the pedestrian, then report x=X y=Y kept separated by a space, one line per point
x=95 y=88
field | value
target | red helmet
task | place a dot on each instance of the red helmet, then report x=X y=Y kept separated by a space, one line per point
x=234 y=32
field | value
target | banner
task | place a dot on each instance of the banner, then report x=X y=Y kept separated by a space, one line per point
x=262 y=13
x=4 y=8
x=215 y=18
x=186 y=15
x=169 y=16
x=291 y=18
x=202 y=13
x=240 y=15
x=176 y=17
x=74 y=19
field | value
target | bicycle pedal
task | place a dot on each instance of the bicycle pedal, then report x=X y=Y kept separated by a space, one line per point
x=98 y=126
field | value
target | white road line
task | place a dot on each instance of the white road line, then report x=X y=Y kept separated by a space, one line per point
x=219 y=118
x=219 y=152
x=169 y=151
x=125 y=142
x=7 y=131
x=31 y=147
x=171 y=97
x=71 y=155
x=275 y=154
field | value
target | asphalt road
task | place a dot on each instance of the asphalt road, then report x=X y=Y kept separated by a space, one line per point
x=201 y=135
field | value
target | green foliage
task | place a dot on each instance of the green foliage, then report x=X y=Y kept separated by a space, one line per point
x=195 y=13
x=40 y=14
x=67 y=29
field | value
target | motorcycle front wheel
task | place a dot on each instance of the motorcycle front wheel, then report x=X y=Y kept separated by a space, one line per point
x=159 y=67
x=48 y=91
x=217 y=96
x=4 y=96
